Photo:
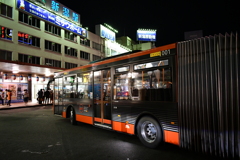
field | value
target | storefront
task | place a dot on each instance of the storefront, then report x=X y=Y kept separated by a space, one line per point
x=18 y=83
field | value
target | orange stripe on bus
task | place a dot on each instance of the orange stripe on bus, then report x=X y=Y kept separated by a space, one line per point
x=123 y=127
x=106 y=121
x=84 y=119
x=162 y=48
x=64 y=114
x=97 y=119
x=171 y=137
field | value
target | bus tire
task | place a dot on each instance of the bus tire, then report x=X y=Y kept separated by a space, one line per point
x=72 y=116
x=149 y=132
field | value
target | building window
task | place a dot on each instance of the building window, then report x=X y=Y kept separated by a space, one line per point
x=84 y=55
x=5 y=33
x=85 y=42
x=55 y=47
x=70 y=65
x=28 y=59
x=5 y=10
x=94 y=57
x=70 y=36
x=28 y=19
x=52 y=29
x=70 y=51
x=5 y=55
x=52 y=62
x=28 y=39
x=96 y=46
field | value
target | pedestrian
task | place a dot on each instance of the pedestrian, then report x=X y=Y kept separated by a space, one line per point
x=25 y=97
x=40 y=96
x=5 y=96
x=47 y=95
x=9 y=97
x=43 y=96
x=2 y=96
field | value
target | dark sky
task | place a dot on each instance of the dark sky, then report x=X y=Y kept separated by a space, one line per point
x=170 y=18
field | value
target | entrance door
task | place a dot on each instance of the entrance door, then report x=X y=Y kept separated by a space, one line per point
x=102 y=99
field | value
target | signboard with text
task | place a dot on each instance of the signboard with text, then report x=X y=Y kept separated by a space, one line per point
x=50 y=17
x=58 y=8
x=104 y=32
x=146 y=35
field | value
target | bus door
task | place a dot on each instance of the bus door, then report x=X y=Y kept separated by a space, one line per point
x=57 y=99
x=102 y=100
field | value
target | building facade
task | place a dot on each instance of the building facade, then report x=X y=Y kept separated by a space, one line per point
x=40 y=37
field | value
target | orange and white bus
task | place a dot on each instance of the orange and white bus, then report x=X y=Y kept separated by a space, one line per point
x=186 y=93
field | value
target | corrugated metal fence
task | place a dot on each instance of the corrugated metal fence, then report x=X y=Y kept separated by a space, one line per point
x=208 y=95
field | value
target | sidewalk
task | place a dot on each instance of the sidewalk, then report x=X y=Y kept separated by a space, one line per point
x=21 y=105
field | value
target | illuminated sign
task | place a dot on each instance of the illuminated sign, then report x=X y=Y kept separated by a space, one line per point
x=146 y=35
x=24 y=38
x=53 y=18
x=58 y=8
x=105 y=32
x=5 y=33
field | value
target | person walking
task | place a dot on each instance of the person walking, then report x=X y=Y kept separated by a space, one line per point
x=9 y=97
x=25 y=97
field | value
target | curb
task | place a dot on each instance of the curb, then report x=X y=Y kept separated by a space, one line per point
x=22 y=107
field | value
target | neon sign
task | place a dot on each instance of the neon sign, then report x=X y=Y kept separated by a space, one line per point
x=50 y=17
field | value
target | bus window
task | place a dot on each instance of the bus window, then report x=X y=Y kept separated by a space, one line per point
x=69 y=87
x=84 y=90
x=145 y=85
x=122 y=86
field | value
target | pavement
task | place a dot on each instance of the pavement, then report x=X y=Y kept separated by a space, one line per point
x=21 y=105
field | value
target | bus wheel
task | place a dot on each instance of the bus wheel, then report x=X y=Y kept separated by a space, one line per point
x=72 y=116
x=149 y=132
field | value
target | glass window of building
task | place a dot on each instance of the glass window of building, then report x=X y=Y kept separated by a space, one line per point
x=70 y=51
x=70 y=36
x=70 y=65
x=5 y=55
x=94 y=57
x=5 y=33
x=85 y=41
x=28 y=59
x=28 y=19
x=52 y=29
x=52 y=62
x=28 y=39
x=5 y=10
x=84 y=55
x=52 y=46
x=96 y=46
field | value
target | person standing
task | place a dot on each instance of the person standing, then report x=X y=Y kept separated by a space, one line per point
x=9 y=97
x=47 y=95
x=40 y=96
x=2 y=96
x=25 y=97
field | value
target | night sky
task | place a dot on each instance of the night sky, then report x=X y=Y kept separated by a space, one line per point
x=170 y=18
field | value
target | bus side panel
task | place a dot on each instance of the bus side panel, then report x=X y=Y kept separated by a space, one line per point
x=171 y=137
x=123 y=127
x=64 y=114
x=127 y=112
x=84 y=119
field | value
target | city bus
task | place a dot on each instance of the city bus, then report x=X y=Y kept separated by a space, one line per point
x=185 y=93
